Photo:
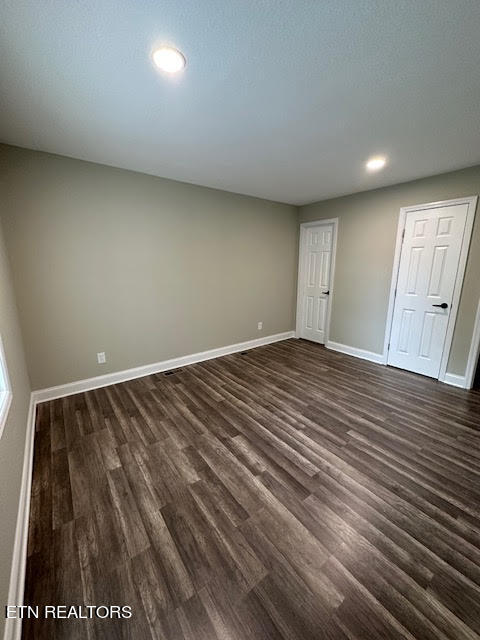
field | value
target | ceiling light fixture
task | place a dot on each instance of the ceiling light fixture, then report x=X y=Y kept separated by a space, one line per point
x=376 y=163
x=169 y=60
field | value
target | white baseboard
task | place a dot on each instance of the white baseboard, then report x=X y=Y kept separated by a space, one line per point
x=449 y=378
x=42 y=395
x=379 y=358
x=455 y=381
x=13 y=626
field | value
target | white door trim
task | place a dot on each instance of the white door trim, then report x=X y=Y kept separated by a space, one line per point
x=474 y=352
x=301 y=275
x=471 y=201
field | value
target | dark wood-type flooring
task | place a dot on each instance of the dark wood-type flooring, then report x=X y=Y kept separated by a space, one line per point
x=288 y=492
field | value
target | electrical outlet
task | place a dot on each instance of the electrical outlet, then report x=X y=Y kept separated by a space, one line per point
x=101 y=358
x=260 y=326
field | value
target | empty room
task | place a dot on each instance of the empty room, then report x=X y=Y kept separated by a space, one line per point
x=239 y=320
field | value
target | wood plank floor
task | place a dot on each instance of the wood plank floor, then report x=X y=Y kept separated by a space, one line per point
x=289 y=492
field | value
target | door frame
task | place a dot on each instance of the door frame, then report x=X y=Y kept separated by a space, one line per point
x=471 y=201
x=301 y=271
x=473 y=355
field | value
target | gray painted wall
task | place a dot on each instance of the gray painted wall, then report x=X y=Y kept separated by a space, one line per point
x=366 y=243
x=12 y=442
x=140 y=267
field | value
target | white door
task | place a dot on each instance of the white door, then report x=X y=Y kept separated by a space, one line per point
x=314 y=285
x=428 y=266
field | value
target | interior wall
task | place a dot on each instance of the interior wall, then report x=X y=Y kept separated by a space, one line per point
x=137 y=266
x=12 y=442
x=365 y=249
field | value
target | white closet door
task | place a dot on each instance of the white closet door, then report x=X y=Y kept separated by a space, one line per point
x=316 y=254
x=428 y=266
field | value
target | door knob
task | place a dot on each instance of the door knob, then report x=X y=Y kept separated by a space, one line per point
x=444 y=305
x=326 y=293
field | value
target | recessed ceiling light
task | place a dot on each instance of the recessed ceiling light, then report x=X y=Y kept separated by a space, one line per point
x=169 y=60
x=376 y=163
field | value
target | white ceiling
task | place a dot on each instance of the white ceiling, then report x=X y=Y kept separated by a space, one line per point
x=282 y=99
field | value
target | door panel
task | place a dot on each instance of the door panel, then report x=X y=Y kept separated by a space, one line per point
x=316 y=257
x=428 y=267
